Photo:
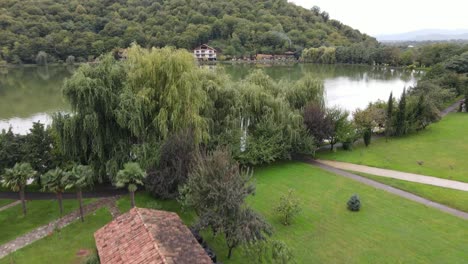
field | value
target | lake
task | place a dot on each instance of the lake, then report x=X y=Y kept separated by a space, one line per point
x=32 y=94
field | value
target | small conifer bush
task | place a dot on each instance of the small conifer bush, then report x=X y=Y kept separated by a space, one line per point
x=354 y=203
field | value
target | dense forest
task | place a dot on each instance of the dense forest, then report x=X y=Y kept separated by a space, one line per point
x=82 y=30
x=423 y=56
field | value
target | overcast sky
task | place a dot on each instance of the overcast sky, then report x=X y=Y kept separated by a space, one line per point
x=377 y=17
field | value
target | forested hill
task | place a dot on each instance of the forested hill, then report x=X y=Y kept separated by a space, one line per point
x=87 y=28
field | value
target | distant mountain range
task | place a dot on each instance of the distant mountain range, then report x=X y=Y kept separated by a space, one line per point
x=425 y=35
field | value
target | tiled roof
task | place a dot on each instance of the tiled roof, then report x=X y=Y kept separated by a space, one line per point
x=144 y=236
x=205 y=46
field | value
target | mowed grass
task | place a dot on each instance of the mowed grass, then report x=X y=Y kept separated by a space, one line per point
x=63 y=246
x=40 y=212
x=4 y=202
x=453 y=198
x=388 y=229
x=442 y=148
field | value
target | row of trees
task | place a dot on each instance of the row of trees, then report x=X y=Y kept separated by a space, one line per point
x=455 y=55
x=418 y=106
x=84 y=30
x=56 y=180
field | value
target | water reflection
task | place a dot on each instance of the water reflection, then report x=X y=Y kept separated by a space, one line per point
x=31 y=94
x=347 y=86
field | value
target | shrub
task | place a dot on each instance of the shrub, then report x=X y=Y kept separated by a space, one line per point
x=70 y=60
x=176 y=156
x=354 y=203
x=153 y=205
x=269 y=251
x=367 y=136
x=288 y=207
x=348 y=145
x=92 y=259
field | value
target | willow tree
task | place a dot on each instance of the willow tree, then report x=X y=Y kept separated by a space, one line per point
x=167 y=85
x=269 y=127
x=122 y=110
x=90 y=134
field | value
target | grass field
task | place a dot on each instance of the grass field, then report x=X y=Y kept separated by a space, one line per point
x=442 y=148
x=388 y=229
x=40 y=212
x=453 y=198
x=62 y=246
x=4 y=202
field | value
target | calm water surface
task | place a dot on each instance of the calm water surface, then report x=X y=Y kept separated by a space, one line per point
x=32 y=94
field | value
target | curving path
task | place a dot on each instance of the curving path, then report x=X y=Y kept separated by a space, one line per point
x=456 y=185
x=10 y=205
x=387 y=188
x=45 y=230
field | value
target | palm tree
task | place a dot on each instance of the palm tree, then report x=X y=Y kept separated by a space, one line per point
x=53 y=181
x=131 y=176
x=16 y=179
x=79 y=177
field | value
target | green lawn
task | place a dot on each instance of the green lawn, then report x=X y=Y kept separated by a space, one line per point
x=453 y=198
x=388 y=229
x=40 y=212
x=62 y=246
x=4 y=202
x=442 y=148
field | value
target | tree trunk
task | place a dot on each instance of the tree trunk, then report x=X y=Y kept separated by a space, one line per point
x=59 y=198
x=230 y=252
x=132 y=199
x=23 y=200
x=80 y=202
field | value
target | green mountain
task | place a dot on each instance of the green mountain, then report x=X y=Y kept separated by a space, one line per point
x=86 y=28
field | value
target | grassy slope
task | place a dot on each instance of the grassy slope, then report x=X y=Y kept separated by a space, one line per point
x=389 y=229
x=442 y=147
x=62 y=247
x=453 y=198
x=14 y=224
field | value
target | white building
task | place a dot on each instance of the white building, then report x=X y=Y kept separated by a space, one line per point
x=205 y=53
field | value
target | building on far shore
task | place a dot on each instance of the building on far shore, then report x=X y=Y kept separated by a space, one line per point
x=205 y=53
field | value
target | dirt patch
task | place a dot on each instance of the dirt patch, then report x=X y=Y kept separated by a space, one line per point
x=83 y=253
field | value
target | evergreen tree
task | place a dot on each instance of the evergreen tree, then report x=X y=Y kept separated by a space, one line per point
x=388 y=125
x=401 y=117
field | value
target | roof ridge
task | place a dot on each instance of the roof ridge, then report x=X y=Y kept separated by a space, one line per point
x=153 y=241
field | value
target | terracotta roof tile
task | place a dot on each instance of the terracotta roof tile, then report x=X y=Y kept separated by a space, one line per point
x=144 y=236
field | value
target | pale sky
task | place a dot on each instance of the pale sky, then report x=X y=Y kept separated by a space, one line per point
x=377 y=17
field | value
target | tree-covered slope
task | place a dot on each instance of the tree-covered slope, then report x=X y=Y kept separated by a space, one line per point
x=87 y=28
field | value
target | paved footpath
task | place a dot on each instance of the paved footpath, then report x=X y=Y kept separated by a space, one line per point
x=387 y=188
x=45 y=230
x=456 y=185
x=10 y=205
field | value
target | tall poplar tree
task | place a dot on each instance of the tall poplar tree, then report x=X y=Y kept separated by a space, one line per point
x=388 y=125
x=401 y=117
